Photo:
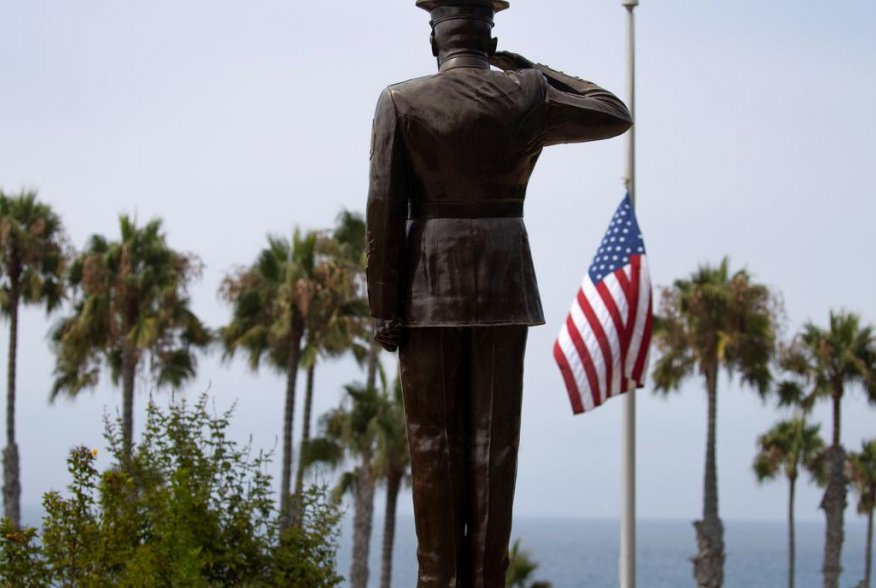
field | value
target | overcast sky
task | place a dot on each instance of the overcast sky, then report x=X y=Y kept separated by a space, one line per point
x=232 y=120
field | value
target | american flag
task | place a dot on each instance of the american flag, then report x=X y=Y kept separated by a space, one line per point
x=602 y=348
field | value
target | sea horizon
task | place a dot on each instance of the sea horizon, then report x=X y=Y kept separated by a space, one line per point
x=582 y=552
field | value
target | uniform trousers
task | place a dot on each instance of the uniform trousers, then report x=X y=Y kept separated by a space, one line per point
x=462 y=390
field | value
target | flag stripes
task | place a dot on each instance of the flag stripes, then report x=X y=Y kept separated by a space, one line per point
x=602 y=348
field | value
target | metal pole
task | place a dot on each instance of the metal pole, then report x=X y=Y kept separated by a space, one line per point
x=627 y=572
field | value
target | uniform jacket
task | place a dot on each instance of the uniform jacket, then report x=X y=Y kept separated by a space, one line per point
x=451 y=157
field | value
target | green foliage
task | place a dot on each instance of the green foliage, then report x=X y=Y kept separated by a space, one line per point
x=192 y=509
x=270 y=301
x=33 y=252
x=392 y=458
x=520 y=567
x=862 y=475
x=715 y=319
x=788 y=446
x=306 y=557
x=349 y=431
x=822 y=361
x=310 y=280
x=20 y=563
x=130 y=300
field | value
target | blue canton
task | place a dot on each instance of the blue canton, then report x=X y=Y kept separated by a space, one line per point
x=622 y=240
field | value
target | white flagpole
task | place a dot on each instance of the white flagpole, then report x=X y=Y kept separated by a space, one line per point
x=627 y=570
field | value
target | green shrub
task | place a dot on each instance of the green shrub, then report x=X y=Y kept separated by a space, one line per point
x=20 y=563
x=190 y=509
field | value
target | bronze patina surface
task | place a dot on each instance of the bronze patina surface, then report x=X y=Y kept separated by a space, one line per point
x=450 y=274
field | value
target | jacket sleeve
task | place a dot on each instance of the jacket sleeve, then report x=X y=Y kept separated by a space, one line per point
x=578 y=110
x=387 y=212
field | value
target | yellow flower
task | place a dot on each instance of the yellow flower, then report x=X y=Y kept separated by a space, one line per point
x=94 y=453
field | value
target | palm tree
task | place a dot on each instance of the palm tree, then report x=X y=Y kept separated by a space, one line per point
x=520 y=567
x=350 y=235
x=822 y=363
x=862 y=473
x=710 y=320
x=270 y=303
x=130 y=303
x=351 y=431
x=786 y=448
x=392 y=464
x=32 y=263
x=335 y=325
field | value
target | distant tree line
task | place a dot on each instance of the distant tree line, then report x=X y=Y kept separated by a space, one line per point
x=303 y=299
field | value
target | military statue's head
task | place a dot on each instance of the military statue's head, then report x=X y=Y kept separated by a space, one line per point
x=462 y=26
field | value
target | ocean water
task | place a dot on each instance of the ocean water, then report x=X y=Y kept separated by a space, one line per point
x=583 y=553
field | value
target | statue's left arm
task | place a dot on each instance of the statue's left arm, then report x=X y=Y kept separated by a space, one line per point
x=386 y=217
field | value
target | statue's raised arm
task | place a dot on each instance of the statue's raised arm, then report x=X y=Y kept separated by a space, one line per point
x=577 y=110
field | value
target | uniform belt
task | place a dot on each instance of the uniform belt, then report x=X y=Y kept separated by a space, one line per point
x=466 y=209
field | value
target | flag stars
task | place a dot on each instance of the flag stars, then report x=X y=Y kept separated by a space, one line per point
x=621 y=241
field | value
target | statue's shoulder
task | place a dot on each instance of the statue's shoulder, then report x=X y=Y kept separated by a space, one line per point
x=411 y=85
x=402 y=94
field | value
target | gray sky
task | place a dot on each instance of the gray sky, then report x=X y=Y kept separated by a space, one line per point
x=231 y=120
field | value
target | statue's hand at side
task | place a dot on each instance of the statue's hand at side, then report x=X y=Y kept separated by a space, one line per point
x=388 y=334
x=507 y=61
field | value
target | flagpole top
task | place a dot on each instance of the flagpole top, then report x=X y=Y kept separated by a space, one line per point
x=630 y=3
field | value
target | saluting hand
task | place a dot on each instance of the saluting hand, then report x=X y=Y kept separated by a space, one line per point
x=508 y=61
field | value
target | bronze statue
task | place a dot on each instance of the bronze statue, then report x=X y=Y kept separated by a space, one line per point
x=450 y=275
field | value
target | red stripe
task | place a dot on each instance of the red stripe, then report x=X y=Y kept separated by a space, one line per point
x=614 y=311
x=601 y=339
x=586 y=360
x=623 y=279
x=643 y=347
x=633 y=295
x=569 y=378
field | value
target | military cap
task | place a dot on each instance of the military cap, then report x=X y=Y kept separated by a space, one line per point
x=496 y=5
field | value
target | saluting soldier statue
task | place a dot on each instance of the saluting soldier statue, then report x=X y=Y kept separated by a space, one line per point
x=450 y=275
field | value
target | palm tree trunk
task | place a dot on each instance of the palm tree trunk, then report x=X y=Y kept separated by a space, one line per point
x=792 y=541
x=834 y=503
x=11 y=467
x=129 y=374
x=709 y=560
x=288 y=418
x=393 y=484
x=305 y=437
x=868 y=567
x=363 y=517
x=362 y=521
